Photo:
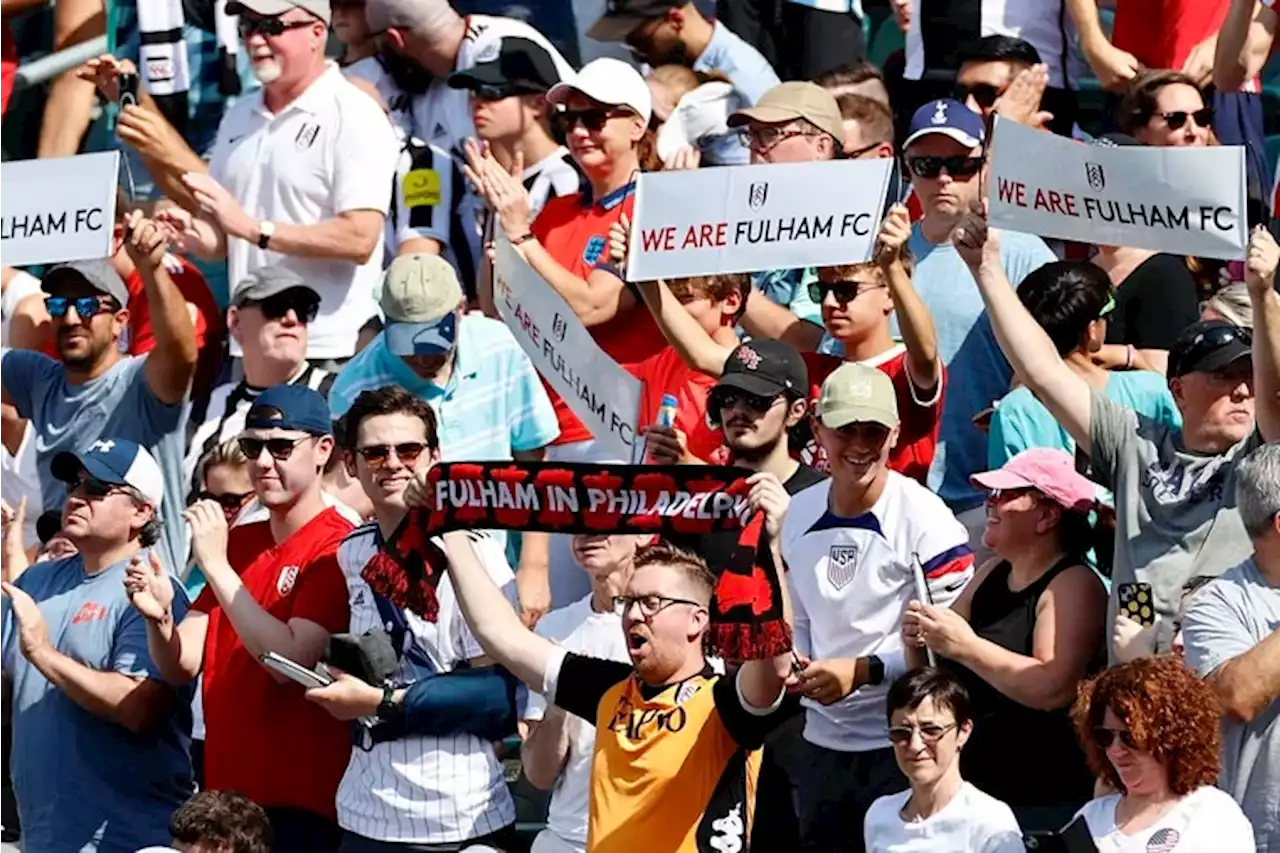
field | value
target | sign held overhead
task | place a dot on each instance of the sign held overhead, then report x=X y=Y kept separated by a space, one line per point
x=59 y=209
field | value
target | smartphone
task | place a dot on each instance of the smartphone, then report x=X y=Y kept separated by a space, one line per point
x=128 y=89
x=1137 y=603
x=1076 y=837
x=295 y=672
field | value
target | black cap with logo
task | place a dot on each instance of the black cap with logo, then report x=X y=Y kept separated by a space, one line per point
x=767 y=368
x=1208 y=345
x=623 y=16
x=522 y=67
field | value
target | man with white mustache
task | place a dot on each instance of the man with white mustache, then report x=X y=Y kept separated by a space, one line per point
x=299 y=175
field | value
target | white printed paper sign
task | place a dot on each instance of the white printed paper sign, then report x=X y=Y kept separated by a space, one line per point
x=749 y=218
x=605 y=397
x=1188 y=201
x=60 y=209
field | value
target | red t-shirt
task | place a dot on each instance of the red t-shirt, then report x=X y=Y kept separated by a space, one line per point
x=575 y=232
x=666 y=373
x=1161 y=33
x=8 y=65
x=918 y=424
x=262 y=738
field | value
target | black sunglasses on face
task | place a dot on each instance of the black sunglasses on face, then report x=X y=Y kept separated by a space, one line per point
x=844 y=291
x=269 y=27
x=959 y=166
x=229 y=501
x=1177 y=118
x=278 y=305
x=279 y=448
x=494 y=91
x=984 y=94
x=592 y=118
x=95 y=489
x=1104 y=737
x=86 y=306
x=377 y=455
x=726 y=398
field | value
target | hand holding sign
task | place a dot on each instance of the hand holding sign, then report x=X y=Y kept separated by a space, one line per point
x=619 y=242
x=975 y=242
x=895 y=231
x=1260 y=266
x=104 y=73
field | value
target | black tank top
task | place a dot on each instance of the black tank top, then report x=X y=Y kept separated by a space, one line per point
x=1023 y=756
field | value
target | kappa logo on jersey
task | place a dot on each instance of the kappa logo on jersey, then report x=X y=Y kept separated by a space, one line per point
x=757 y=195
x=288 y=577
x=89 y=612
x=1094 y=174
x=729 y=831
x=595 y=248
x=306 y=136
x=842 y=565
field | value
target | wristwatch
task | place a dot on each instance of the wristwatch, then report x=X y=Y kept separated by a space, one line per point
x=875 y=670
x=266 y=230
x=389 y=709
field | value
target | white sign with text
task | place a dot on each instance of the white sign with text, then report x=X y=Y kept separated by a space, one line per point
x=60 y=209
x=1188 y=201
x=605 y=397
x=748 y=218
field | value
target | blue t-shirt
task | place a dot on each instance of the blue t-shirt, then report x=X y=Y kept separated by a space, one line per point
x=979 y=372
x=84 y=783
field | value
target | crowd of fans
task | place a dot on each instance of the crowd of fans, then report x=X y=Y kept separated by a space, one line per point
x=211 y=434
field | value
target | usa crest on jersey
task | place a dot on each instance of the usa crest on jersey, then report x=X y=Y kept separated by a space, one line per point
x=842 y=565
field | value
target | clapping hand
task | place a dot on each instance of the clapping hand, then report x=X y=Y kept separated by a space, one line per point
x=502 y=189
x=33 y=631
x=208 y=534
x=221 y=206
x=148 y=587
x=1020 y=102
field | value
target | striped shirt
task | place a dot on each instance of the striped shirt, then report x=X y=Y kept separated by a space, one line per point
x=220 y=416
x=427 y=790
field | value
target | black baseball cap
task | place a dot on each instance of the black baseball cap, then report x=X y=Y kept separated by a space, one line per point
x=1209 y=345
x=623 y=16
x=522 y=67
x=766 y=367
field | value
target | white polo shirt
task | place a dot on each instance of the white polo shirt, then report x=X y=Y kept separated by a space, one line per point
x=330 y=151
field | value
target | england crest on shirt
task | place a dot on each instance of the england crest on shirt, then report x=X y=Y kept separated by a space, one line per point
x=842 y=565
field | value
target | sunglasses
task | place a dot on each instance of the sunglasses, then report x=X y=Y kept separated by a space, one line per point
x=592 y=118
x=1109 y=307
x=997 y=495
x=1205 y=343
x=278 y=305
x=1177 y=118
x=726 y=398
x=95 y=489
x=929 y=733
x=269 y=27
x=229 y=501
x=1104 y=737
x=279 y=448
x=844 y=291
x=494 y=91
x=86 y=306
x=984 y=94
x=377 y=455
x=959 y=166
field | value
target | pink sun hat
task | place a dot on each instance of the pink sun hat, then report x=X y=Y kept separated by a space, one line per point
x=1050 y=471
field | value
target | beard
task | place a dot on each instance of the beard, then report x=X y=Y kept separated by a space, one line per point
x=267 y=71
x=750 y=455
x=82 y=361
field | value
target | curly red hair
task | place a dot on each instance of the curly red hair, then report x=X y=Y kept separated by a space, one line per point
x=1169 y=712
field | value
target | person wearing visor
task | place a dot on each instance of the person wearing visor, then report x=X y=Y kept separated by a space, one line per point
x=76 y=651
x=1174 y=488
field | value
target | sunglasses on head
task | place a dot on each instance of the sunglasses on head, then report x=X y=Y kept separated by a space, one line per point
x=279 y=448
x=377 y=455
x=725 y=398
x=86 y=306
x=1108 y=307
x=278 y=305
x=844 y=291
x=959 y=166
x=592 y=118
x=269 y=27
x=984 y=94
x=1177 y=118
x=229 y=501
x=1104 y=737
x=1207 y=342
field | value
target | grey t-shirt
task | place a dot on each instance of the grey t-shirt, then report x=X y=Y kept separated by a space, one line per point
x=118 y=404
x=1227 y=618
x=84 y=783
x=1176 y=513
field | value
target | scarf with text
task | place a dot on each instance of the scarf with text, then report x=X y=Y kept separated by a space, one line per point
x=747 y=620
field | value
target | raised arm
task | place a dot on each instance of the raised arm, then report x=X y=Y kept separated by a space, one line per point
x=914 y=320
x=765 y=318
x=1245 y=43
x=761 y=682
x=1024 y=342
x=1260 y=278
x=1113 y=67
x=170 y=366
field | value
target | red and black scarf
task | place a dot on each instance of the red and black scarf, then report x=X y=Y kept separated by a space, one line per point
x=746 y=611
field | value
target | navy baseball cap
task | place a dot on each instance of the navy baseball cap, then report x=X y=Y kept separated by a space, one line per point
x=117 y=461
x=287 y=406
x=948 y=117
x=1208 y=345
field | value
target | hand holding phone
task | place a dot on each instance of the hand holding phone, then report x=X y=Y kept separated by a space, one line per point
x=1137 y=602
x=295 y=672
x=129 y=83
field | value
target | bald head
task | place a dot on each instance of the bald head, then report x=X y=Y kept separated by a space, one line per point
x=422 y=17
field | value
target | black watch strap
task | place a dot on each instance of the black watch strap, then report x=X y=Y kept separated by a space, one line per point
x=875 y=670
x=388 y=708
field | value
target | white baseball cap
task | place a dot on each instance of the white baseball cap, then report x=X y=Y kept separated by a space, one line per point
x=607 y=81
x=117 y=461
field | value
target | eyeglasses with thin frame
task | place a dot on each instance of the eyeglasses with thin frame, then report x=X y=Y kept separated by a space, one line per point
x=229 y=501
x=270 y=27
x=930 y=733
x=86 y=307
x=1104 y=737
x=859 y=153
x=844 y=291
x=984 y=94
x=764 y=139
x=279 y=448
x=378 y=455
x=592 y=118
x=960 y=166
x=1177 y=118
x=650 y=605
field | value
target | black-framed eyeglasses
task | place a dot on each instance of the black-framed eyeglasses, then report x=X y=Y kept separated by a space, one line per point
x=269 y=27
x=844 y=291
x=984 y=94
x=377 y=455
x=592 y=118
x=929 y=733
x=279 y=448
x=726 y=398
x=229 y=501
x=278 y=305
x=859 y=153
x=1202 y=117
x=959 y=166
x=650 y=605
x=764 y=139
x=86 y=306
x=1104 y=737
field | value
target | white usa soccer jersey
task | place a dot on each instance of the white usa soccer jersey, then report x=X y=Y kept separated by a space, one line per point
x=850 y=580
x=427 y=790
